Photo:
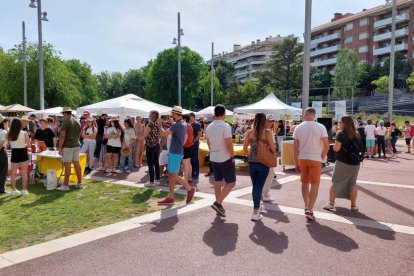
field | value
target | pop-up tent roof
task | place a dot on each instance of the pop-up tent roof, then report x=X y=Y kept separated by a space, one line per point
x=208 y=112
x=16 y=108
x=269 y=105
x=127 y=105
x=54 y=111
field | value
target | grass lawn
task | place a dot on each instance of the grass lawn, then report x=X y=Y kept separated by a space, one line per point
x=46 y=215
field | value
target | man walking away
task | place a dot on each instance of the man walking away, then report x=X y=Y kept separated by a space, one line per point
x=194 y=157
x=220 y=143
x=311 y=146
x=69 y=147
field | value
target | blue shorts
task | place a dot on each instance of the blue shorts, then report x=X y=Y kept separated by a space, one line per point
x=174 y=162
x=370 y=143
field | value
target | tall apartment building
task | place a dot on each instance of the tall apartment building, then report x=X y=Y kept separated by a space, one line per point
x=250 y=58
x=367 y=32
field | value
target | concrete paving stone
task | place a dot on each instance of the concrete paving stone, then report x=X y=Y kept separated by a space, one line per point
x=118 y=227
x=200 y=243
x=80 y=238
x=4 y=263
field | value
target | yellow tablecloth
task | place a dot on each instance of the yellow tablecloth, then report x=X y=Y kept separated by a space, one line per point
x=203 y=150
x=46 y=162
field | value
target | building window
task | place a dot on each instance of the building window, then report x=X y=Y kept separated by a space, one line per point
x=363 y=49
x=349 y=26
x=348 y=39
x=363 y=36
x=363 y=22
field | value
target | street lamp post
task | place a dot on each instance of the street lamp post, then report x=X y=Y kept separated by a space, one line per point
x=212 y=72
x=24 y=65
x=306 y=55
x=392 y=59
x=180 y=32
x=41 y=16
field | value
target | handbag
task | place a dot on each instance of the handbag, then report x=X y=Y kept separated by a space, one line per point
x=264 y=155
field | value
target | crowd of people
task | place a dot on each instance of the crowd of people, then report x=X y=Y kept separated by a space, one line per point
x=171 y=145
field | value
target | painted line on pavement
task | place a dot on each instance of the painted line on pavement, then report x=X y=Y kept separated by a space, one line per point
x=331 y=217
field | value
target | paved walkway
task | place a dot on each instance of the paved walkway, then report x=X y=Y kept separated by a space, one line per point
x=192 y=240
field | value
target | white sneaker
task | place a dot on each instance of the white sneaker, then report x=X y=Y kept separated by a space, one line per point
x=256 y=217
x=118 y=171
x=80 y=186
x=25 y=192
x=128 y=171
x=150 y=184
x=157 y=182
x=15 y=192
x=63 y=188
x=108 y=170
x=267 y=199
x=101 y=168
x=261 y=209
x=329 y=207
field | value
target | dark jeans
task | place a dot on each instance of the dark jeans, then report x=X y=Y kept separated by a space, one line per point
x=381 y=144
x=3 y=170
x=194 y=161
x=153 y=162
x=258 y=174
x=99 y=140
x=393 y=142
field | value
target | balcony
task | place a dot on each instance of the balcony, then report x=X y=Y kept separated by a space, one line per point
x=385 y=50
x=324 y=62
x=250 y=54
x=331 y=49
x=247 y=63
x=325 y=38
x=387 y=21
x=387 y=36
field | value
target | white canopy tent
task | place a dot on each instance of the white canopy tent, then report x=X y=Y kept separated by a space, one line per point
x=54 y=111
x=14 y=108
x=127 y=105
x=208 y=112
x=269 y=105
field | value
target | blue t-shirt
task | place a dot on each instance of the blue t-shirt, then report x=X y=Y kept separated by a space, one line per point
x=196 y=128
x=178 y=130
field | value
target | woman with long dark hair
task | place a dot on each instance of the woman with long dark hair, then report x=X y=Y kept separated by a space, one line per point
x=258 y=171
x=19 y=142
x=89 y=133
x=380 y=132
x=4 y=164
x=115 y=136
x=347 y=164
x=128 y=142
x=152 y=148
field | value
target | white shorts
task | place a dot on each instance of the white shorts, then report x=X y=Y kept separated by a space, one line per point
x=163 y=160
x=70 y=155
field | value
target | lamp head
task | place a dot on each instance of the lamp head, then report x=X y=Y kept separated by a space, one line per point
x=44 y=16
x=174 y=41
x=32 y=4
x=181 y=32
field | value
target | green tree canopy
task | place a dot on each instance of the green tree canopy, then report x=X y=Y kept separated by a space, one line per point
x=381 y=84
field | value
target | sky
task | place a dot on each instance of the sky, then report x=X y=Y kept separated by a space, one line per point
x=118 y=35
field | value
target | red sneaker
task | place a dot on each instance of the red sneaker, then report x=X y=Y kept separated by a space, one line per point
x=166 y=201
x=190 y=195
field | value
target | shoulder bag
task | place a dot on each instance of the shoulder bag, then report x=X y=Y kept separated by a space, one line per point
x=264 y=155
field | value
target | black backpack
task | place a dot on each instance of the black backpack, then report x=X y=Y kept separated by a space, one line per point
x=355 y=152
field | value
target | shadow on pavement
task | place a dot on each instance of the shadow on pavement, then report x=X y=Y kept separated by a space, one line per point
x=330 y=237
x=371 y=228
x=169 y=219
x=273 y=241
x=221 y=236
x=278 y=216
x=386 y=201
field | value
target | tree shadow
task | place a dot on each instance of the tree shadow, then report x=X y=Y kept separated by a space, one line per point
x=271 y=240
x=7 y=198
x=330 y=237
x=367 y=224
x=278 y=216
x=46 y=196
x=144 y=197
x=221 y=236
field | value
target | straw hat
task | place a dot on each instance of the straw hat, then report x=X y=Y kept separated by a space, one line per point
x=90 y=119
x=2 y=118
x=177 y=109
x=66 y=109
x=125 y=152
x=114 y=118
x=24 y=118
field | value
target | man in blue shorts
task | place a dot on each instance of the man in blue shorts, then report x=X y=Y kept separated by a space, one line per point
x=221 y=157
x=178 y=132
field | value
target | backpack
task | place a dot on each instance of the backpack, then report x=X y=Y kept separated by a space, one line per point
x=355 y=151
x=412 y=131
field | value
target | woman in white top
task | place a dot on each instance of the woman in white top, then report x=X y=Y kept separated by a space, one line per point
x=129 y=140
x=115 y=136
x=19 y=142
x=380 y=133
x=89 y=142
x=139 y=141
x=4 y=125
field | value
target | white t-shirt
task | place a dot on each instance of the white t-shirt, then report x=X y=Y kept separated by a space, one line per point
x=370 y=132
x=113 y=142
x=381 y=131
x=20 y=143
x=309 y=134
x=3 y=136
x=216 y=134
x=89 y=131
x=129 y=134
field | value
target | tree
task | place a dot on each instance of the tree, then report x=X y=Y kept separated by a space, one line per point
x=320 y=84
x=285 y=66
x=381 y=84
x=161 y=84
x=402 y=69
x=410 y=81
x=110 y=85
x=348 y=71
x=370 y=73
x=134 y=82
